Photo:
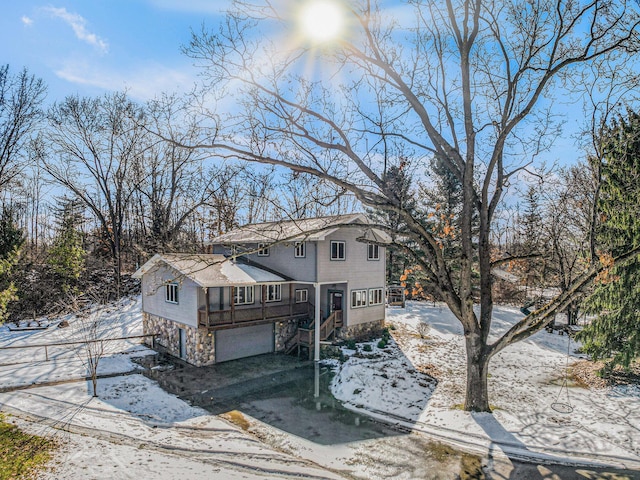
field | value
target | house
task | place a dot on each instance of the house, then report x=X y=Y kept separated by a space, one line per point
x=261 y=287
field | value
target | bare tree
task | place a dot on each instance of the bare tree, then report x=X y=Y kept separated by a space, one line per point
x=21 y=98
x=470 y=83
x=94 y=144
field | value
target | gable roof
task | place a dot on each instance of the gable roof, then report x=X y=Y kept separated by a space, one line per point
x=306 y=229
x=208 y=270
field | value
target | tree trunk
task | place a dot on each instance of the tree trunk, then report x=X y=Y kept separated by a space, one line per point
x=477 y=396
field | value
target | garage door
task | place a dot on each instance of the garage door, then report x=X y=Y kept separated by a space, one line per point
x=243 y=342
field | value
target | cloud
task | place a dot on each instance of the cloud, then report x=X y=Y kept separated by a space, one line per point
x=26 y=20
x=142 y=83
x=78 y=24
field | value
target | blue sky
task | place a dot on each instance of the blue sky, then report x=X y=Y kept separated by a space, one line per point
x=89 y=47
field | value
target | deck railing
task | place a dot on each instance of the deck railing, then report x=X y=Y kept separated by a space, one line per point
x=240 y=315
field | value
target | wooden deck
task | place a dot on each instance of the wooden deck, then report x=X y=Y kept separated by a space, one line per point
x=238 y=317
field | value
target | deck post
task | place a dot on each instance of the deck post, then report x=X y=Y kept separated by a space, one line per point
x=316 y=339
x=291 y=300
x=206 y=307
x=232 y=303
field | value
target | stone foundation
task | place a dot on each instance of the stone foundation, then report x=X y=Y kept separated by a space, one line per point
x=362 y=331
x=200 y=350
x=283 y=331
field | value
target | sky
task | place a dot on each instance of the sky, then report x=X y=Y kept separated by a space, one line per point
x=89 y=47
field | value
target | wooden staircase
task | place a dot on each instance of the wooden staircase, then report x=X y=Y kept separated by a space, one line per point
x=303 y=338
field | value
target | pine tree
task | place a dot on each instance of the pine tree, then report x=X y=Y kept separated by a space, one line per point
x=11 y=240
x=614 y=335
x=398 y=184
x=67 y=254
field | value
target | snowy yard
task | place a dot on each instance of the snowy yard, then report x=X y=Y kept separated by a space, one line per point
x=135 y=429
x=421 y=381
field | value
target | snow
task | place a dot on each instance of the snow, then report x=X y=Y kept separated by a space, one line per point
x=137 y=430
x=28 y=366
x=525 y=383
x=134 y=429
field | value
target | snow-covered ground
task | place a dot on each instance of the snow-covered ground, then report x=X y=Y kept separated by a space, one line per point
x=134 y=429
x=28 y=366
x=422 y=381
x=137 y=430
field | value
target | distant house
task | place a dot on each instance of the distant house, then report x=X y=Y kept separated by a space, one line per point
x=262 y=286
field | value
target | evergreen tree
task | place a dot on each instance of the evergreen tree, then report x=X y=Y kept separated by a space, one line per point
x=67 y=254
x=397 y=184
x=11 y=240
x=614 y=335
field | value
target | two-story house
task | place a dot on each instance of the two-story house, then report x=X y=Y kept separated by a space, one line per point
x=262 y=286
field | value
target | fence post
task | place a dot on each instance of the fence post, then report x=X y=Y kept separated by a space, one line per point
x=46 y=353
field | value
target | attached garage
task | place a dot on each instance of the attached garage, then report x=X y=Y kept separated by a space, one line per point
x=243 y=342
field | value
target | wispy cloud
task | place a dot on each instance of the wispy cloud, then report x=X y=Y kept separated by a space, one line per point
x=27 y=21
x=144 y=83
x=79 y=26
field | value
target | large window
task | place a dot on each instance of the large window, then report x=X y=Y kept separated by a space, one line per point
x=263 y=250
x=375 y=296
x=300 y=250
x=171 y=293
x=302 y=296
x=243 y=295
x=358 y=298
x=274 y=293
x=338 y=249
x=373 y=252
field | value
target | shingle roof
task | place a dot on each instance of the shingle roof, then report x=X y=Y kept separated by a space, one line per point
x=307 y=229
x=212 y=270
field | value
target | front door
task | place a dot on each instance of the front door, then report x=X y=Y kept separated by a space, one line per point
x=335 y=301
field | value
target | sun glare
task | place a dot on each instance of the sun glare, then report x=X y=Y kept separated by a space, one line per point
x=321 y=20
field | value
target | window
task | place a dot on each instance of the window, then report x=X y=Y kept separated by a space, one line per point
x=243 y=295
x=373 y=252
x=300 y=250
x=171 y=293
x=263 y=250
x=375 y=296
x=337 y=250
x=274 y=293
x=358 y=298
x=302 y=296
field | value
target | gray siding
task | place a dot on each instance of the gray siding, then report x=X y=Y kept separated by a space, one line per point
x=282 y=259
x=154 y=299
x=359 y=272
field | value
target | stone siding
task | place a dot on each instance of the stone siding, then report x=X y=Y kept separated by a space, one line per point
x=200 y=348
x=362 y=331
x=284 y=330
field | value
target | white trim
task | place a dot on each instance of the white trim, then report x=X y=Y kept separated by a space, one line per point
x=171 y=293
x=276 y=289
x=246 y=288
x=263 y=250
x=358 y=298
x=381 y=298
x=299 y=247
x=337 y=258
x=304 y=295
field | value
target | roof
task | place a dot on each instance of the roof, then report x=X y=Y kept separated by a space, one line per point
x=208 y=270
x=306 y=229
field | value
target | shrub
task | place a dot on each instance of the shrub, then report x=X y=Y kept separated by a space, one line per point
x=423 y=330
x=351 y=344
x=367 y=348
x=382 y=343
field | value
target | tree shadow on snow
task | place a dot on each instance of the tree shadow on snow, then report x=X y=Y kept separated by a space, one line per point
x=279 y=390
